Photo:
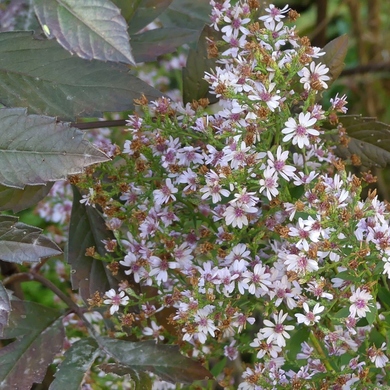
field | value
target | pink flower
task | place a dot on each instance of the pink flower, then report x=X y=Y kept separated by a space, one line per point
x=359 y=300
x=165 y=193
x=300 y=132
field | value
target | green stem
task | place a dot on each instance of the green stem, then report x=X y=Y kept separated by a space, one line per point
x=317 y=346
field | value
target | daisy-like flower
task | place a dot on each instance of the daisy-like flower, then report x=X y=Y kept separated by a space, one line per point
x=300 y=132
x=274 y=13
x=270 y=183
x=165 y=193
x=377 y=356
x=276 y=330
x=115 y=300
x=258 y=280
x=205 y=324
x=154 y=330
x=236 y=214
x=310 y=317
x=359 y=300
x=87 y=200
x=315 y=77
x=278 y=164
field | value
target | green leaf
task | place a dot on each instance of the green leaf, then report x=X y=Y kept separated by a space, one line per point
x=163 y=360
x=5 y=308
x=371 y=315
x=148 y=45
x=20 y=242
x=142 y=380
x=301 y=335
x=194 y=85
x=128 y=8
x=78 y=359
x=16 y=199
x=369 y=139
x=40 y=334
x=187 y=14
x=145 y=13
x=87 y=229
x=41 y=75
x=91 y=29
x=384 y=296
x=36 y=149
x=335 y=52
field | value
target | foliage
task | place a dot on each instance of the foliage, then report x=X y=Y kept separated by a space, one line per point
x=223 y=229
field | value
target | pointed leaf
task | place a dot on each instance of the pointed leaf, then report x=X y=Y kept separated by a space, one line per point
x=40 y=336
x=20 y=242
x=146 y=12
x=194 y=85
x=92 y=29
x=369 y=139
x=41 y=75
x=148 y=45
x=335 y=52
x=16 y=199
x=5 y=308
x=87 y=229
x=142 y=380
x=78 y=359
x=163 y=360
x=36 y=149
x=187 y=14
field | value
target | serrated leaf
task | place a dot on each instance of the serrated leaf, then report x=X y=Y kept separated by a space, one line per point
x=166 y=361
x=37 y=149
x=5 y=308
x=335 y=52
x=141 y=380
x=40 y=334
x=146 y=11
x=187 y=14
x=16 y=199
x=194 y=85
x=78 y=359
x=23 y=243
x=41 y=75
x=147 y=46
x=369 y=139
x=91 y=29
x=87 y=229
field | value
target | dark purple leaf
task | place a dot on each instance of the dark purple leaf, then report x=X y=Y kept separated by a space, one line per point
x=166 y=361
x=5 y=308
x=194 y=85
x=369 y=139
x=40 y=335
x=41 y=75
x=36 y=149
x=91 y=30
x=335 y=52
x=78 y=359
x=23 y=243
x=87 y=229
x=147 y=46
x=16 y=199
x=145 y=13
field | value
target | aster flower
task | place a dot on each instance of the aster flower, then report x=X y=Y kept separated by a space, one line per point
x=236 y=214
x=359 y=300
x=300 y=132
x=270 y=183
x=165 y=193
x=310 y=317
x=279 y=165
x=276 y=330
x=315 y=77
x=274 y=13
x=377 y=356
x=115 y=300
x=154 y=331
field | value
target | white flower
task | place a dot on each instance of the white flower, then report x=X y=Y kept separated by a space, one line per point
x=377 y=356
x=359 y=300
x=278 y=164
x=165 y=193
x=300 y=132
x=310 y=317
x=274 y=13
x=276 y=331
x=154 y=331
x=269 y=183
x=236 y=214
x=88 y=199
x=315 y=77
x=115 y=300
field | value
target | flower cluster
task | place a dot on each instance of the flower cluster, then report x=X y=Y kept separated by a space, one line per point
x=247 y=224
